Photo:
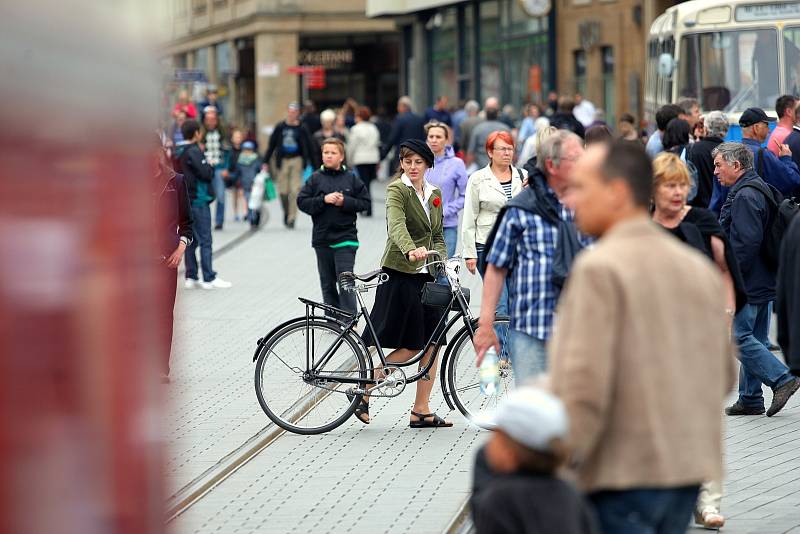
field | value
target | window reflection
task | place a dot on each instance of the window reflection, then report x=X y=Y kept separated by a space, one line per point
x=730 y=70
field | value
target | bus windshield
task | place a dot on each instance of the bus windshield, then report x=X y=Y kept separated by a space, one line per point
x=730 y=70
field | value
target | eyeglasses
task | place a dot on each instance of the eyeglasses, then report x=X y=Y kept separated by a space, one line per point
x=503 y=149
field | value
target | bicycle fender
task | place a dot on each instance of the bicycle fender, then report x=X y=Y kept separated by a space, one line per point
x=263 y=340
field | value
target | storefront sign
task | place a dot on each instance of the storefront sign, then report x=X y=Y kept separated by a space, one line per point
x=325 y=58
x=190 y=75
x=754 y=12
x=268 y=69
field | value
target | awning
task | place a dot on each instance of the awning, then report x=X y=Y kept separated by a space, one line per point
x=378 y=8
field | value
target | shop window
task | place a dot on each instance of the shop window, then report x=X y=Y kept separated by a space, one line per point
x=443 y=39
x=580 y=71
x=199 y=7
x=609 y=102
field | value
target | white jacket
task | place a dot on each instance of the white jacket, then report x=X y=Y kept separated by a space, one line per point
x=483 y=200
x=363 y=144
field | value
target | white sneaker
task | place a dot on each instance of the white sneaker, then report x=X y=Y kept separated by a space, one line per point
x=190 y=283
x=217 y=283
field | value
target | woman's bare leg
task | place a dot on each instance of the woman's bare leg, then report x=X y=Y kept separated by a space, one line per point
x=425 y=387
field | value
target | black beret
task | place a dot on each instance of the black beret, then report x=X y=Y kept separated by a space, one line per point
x=421 y=148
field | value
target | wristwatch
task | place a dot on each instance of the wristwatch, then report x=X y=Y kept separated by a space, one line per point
x=185 y=240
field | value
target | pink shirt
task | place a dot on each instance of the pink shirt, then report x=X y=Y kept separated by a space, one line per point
x=778 y=136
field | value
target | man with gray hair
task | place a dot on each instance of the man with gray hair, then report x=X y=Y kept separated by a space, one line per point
x=523 y=244
x=715 y=130
x=745 y=219
x=470 y=121
x=476 y=150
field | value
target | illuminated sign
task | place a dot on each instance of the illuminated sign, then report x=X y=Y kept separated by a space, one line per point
x=325 y=58
x=755 y=12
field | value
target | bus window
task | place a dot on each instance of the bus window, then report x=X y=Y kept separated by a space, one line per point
x=791 y=54
x=730 y=70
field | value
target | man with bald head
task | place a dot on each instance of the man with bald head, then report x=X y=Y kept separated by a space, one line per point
x=407 y=125
x=476 y=149
x=641 y=354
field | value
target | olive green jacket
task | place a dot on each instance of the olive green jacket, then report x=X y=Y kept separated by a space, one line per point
x=408 y=226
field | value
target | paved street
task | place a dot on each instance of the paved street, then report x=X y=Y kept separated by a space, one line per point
x=378 y=478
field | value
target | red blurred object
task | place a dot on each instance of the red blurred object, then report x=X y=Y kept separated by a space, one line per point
x=79 y=436
x=313 y=76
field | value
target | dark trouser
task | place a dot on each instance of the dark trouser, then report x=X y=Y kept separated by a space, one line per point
x=219 y=190
x=645 y=511
x=202 y=238
x=368 y=173
x=331 y=262
x=167 y=281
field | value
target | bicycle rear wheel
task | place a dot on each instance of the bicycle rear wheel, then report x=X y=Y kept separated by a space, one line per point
x=288 y=397
x=463 y=378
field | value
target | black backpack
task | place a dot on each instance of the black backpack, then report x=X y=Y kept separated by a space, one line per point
x=782 y=211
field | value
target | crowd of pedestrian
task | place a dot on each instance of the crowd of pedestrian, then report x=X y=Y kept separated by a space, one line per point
x=633 y=269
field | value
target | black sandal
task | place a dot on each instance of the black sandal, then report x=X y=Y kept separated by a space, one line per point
x=436 y=422
x=361 y=409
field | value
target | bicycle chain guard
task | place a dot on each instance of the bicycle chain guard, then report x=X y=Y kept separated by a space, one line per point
x=392 y=385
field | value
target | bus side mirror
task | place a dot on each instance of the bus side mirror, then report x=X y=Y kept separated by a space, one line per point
x=666 y=65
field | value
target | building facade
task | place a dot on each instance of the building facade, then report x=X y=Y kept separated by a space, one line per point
x=260 y=54
x=519 y=50
x=601 y=51
x=472 y=49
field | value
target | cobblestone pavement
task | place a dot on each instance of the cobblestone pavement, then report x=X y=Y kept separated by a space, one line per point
x=382 y=477
x=214 y=409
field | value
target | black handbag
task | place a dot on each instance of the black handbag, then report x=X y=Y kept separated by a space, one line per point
x=439 y=295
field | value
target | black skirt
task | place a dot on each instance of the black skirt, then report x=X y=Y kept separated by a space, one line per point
x=400 y=319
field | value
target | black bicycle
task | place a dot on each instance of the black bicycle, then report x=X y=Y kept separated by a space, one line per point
x=312 y=371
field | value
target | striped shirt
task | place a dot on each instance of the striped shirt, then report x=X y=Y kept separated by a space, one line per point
x=507 y=188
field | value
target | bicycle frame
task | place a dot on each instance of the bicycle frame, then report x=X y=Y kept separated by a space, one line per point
x=443 y=326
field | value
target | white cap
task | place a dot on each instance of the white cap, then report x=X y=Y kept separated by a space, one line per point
x=530 y=416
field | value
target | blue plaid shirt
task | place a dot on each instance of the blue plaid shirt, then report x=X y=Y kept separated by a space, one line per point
x=525 y=244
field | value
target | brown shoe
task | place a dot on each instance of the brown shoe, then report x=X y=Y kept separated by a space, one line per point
x=781 y=396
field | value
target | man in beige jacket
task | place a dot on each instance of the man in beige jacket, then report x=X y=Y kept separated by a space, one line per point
x=641 y=355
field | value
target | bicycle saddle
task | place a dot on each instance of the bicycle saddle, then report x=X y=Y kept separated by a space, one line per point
x=368 y=277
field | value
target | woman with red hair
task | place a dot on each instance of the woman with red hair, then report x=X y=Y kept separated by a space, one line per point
x=488 y=189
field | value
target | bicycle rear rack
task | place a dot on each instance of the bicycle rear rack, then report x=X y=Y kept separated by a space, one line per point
x=333 y=312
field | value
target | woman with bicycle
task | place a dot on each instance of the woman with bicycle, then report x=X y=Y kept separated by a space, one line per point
x=414 y=214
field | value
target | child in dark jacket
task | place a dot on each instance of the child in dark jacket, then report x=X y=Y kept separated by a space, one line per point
x=248 y=164
x=515 y=489
x=333 y=196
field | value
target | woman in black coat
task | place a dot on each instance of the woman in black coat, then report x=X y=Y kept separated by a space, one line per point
x=173 y=232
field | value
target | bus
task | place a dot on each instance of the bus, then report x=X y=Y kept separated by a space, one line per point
x=729 y=55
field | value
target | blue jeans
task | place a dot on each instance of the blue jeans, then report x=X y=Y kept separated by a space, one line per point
x=502 y=307
x=759 y=365
x=528 y=356
x=645 y=511
x=202 y=238
x=219 y=189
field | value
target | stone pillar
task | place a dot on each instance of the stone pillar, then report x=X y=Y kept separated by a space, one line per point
x=212 y=65
x=274 y=93
x=233 y=111
x=419 y=88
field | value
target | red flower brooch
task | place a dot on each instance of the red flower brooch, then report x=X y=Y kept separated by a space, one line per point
x=437 y=202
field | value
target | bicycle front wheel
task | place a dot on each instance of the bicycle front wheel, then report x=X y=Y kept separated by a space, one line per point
x=463 y=377
x=286 y=393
